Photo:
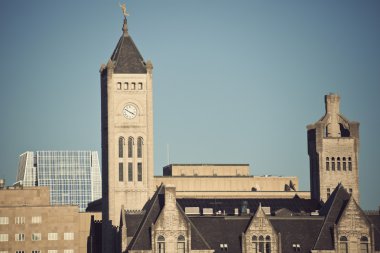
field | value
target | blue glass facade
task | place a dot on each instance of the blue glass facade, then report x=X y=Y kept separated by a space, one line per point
x=73 y=176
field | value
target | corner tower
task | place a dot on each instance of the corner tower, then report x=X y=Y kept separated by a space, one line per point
x=333 y=147
x=127 y=129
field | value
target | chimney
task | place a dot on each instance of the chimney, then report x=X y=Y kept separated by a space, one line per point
x=332 y=102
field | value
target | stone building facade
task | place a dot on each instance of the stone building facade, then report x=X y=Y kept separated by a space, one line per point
x=333 y=147
x=220 y=208
x=29 y=223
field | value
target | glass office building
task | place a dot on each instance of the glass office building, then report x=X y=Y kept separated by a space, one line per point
x=73 y=176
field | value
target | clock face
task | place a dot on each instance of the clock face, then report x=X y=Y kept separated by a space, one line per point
x=130 y=111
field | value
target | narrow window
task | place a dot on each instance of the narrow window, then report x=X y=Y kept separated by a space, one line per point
x=133 y=86
x=36 y=251
x=139 y=172
x=125 y=86
x=350 y=190
x=267 y=244
x=140 y=86
x=364 y=245
x=130 y=147
x=349 y=164
x=261 y=244
x=338 y=163
x=140 y=142
x=343 y=244
x=121 y=146
x=130 y=172
x=161 y=244
x=333 y=163
x=121 y=172
x=181 y=244
x=255 y=244
x=344 y=164
x=328 y=193
x=119 y=86
x=327 y=163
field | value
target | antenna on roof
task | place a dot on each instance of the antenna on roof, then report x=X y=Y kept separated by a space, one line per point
x=168 y=153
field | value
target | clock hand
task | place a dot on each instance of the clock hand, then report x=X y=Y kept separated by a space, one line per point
x=130 y=112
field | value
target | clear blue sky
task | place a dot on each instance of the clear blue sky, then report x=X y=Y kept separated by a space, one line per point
x=234 y=81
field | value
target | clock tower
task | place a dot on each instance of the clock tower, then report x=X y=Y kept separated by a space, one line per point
x=127 y=130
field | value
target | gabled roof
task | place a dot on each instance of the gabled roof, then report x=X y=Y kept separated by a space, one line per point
x=332 y=211
x=142 y=237
x=222 y=230
x=375 y=220
x=126 y=57
x=297 y=231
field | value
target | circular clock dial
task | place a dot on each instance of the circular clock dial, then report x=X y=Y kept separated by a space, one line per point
x=130 y=111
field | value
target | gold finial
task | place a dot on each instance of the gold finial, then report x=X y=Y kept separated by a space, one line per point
x=124 y=9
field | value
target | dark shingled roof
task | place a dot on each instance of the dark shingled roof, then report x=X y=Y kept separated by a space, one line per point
x=297 y=231
x=332 y=211
x=375 y=220
x=126 y=56
x=142 y=237
x=222 y=230
x=295 y=205
x=133 y=221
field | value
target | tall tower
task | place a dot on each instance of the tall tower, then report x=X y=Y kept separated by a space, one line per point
x=127 y=129
x=333 y=147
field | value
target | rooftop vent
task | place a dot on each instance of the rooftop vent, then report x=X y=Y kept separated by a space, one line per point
x=192 y=211
x=315 y=213
x=208 y=211
x=266 y=210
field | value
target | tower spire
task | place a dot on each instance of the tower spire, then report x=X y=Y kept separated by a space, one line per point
x=125 y=14
x=125 y=27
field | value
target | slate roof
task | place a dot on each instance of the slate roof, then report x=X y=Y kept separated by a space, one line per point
x=295 y=205
x=222 y=230
x=126 y=56
x=297 y=231
x=142 y=237
x=375 y=220
x=332 y=211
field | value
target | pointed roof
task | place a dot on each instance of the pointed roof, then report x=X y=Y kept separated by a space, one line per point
x=332 y=210
x=126 y=57
x=142 y=239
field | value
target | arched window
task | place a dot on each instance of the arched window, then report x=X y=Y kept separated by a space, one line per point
x=161 y=244
x=255 y=244
x=338 y=163
x=364 y=245
x=121 y=146
x=140 y=143
x=261 y=243
x=344 y=164
x=349 y=164
x=181 y=244
x=267 y=244
x=327 y=163
x=343 y=244
x=130 y=147
x=333 y=163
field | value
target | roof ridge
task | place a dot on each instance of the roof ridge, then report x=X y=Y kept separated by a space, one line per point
x=137 y=234
x=192 y=225
x=327 y=215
